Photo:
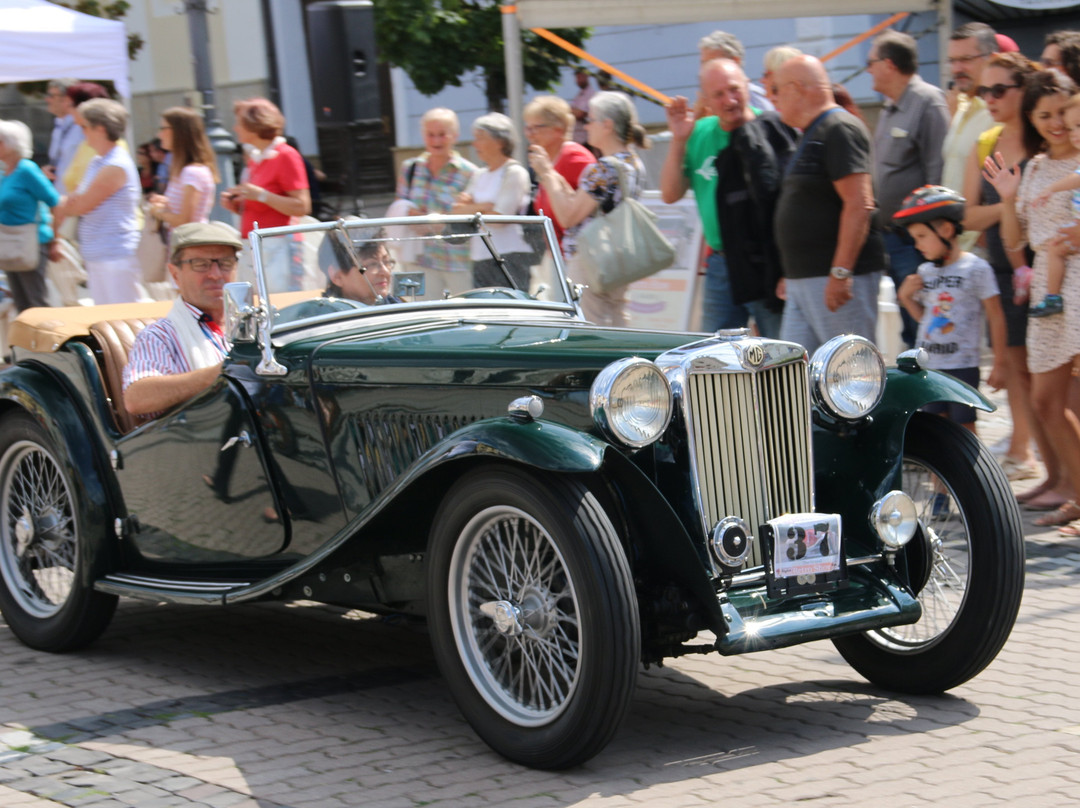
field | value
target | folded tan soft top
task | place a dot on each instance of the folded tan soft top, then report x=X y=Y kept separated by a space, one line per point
x=46 y=329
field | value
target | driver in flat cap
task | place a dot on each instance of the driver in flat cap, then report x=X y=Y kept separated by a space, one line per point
x=181 y=354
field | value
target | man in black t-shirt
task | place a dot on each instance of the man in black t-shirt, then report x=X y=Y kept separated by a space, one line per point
x=830 y=253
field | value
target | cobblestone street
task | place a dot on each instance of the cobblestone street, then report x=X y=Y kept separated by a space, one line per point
x=309 y=706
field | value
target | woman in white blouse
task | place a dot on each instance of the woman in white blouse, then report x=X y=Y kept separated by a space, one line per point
x=501 y=187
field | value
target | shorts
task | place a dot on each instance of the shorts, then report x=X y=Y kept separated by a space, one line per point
x=960 y=413
x=1015 y=316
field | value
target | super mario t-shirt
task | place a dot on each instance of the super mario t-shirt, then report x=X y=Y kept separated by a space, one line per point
x=952 y=324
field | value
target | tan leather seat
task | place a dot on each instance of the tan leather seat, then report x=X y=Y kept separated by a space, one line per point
x=115 y=338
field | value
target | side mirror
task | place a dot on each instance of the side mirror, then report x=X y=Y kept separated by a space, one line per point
x=241 y=317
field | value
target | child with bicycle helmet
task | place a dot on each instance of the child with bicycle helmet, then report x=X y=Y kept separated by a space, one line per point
x=949 y=294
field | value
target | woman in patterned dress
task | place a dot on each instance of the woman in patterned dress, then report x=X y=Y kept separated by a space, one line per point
x=611 y=127
x=1053 y=342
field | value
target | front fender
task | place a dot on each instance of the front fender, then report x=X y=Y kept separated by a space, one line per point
x=857 y=466
x=541 y=444
x=48 y=401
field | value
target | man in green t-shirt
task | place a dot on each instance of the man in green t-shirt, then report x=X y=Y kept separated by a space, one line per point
x=691 y=165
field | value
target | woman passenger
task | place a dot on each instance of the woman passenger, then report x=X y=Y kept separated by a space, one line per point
x=368 y=283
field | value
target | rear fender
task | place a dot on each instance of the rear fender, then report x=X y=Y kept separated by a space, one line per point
x=47 y=400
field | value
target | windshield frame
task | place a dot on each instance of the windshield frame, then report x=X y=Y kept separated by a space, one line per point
x=465 y=305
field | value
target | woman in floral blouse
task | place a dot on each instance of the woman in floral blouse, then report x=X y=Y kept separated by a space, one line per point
x=429 y=184
x=613 y=129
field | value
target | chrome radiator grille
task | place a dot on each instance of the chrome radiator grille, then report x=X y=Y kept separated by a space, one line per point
x=750 y=434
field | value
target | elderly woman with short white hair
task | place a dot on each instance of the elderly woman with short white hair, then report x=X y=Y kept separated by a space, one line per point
x=431 y=183
x=106 y=203
x=501 y=188
x=25 y=194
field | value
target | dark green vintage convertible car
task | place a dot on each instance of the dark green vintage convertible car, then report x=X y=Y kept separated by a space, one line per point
x=562 y=502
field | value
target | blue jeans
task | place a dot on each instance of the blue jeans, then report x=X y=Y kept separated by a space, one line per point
x=718 y=310
x=904 y=259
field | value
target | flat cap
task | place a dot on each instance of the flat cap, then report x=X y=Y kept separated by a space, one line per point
x=198 y=234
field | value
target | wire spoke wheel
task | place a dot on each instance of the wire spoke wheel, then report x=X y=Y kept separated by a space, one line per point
x=965 y=564
x=532 y=614
x=39 y=546
x=46 y=544
x=515 y=614
x=945 y=527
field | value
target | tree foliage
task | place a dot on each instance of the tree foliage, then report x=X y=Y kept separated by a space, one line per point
x=114 y=10
x=438 y=42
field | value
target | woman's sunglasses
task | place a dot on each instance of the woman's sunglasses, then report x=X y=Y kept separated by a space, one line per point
x=997 y=91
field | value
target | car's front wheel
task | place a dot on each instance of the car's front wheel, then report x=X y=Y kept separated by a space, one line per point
x=45 y=595
x=968 y=558
x=533 y=615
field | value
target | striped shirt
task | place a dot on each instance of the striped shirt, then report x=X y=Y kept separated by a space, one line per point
x=111 y=230
x=157 y=350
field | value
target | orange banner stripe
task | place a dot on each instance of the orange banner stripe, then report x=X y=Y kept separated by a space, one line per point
x=576 y=51
x=881 y=26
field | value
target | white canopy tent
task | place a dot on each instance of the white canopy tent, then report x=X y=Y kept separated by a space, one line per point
x=41 y=40
x=521 y=14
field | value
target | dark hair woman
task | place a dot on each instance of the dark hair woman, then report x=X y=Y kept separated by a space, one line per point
x=193 y=175
x=1002 y=87
x=1053 y=342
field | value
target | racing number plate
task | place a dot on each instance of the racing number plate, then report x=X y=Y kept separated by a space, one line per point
x=806 y=553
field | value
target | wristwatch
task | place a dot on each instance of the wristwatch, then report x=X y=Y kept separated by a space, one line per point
x=840 y=273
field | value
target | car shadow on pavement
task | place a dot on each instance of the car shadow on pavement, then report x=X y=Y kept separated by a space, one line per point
x=362 y=700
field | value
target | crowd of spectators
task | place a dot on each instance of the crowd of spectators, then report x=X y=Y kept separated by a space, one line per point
x=802 y=205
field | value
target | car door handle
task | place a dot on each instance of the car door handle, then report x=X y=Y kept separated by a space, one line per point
x=243 y=438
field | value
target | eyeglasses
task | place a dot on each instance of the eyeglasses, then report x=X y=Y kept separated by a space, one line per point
x=529 y=129
x=954 y=60
x=374 y=263
x=163 y=127
x=997 y=91
x=1048 y=63
x=202 y=265
x=872 y=62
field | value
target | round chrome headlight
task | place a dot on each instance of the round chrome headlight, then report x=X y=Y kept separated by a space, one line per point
x=847 y=377
x=631 y=402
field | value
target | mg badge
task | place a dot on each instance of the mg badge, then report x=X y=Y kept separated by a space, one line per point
x=754 y=354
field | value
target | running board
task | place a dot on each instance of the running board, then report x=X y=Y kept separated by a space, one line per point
x=170 y=590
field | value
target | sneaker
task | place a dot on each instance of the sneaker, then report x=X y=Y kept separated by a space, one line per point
x=1018 y=469
x=940 y=509
x=1051 y=304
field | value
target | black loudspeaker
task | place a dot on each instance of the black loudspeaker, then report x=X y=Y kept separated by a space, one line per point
x=344 y=71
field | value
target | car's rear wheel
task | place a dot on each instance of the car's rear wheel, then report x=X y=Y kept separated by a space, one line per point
x=971 y=544
x=45 y=597
x=533 y=614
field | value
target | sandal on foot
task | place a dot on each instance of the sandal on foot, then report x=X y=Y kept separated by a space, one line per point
x=1070 y=531
x=1069 y=512
x=1019 y=469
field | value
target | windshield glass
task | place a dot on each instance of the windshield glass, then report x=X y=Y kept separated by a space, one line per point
x=360 y=264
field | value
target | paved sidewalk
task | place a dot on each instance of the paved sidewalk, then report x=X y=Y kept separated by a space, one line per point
x=308 y=706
